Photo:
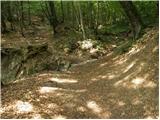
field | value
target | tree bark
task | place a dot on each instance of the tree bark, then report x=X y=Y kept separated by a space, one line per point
x=62 y=10
x=134 y=17
x=81 y=21
x=29 y=13
x=97 y=19
x=22 y=19
x=3 y=24
x=10 y=17
x=53 y=17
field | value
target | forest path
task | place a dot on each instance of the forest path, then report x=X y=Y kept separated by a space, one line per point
x=124 y=86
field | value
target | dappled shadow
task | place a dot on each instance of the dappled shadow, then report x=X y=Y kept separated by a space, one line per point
x=124 y=86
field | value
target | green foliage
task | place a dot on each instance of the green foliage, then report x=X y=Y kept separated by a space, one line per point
x=147 y=11
x=35 y=7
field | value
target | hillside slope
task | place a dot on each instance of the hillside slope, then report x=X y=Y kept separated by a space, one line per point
x=123 y=86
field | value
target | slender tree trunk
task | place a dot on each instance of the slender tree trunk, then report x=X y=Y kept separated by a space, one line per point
x=97 y=19
x=22 y=19
x=10 y=17
x=81 y=21
x=3 y=24
x=53 y=17
x=29 y=13
x=91 y=22
x=62 y=10
x=133 y=16
x=157 y=14
x=73 y=14
x=76 y=14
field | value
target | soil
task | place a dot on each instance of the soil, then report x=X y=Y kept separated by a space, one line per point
x=114 y=86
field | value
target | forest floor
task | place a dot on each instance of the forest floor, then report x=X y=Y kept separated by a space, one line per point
x=114 y=86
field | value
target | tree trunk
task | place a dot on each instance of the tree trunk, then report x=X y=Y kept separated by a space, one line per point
x=62 y=10
x=133 y=16
x=53 y=17
x=76 y=14
x=81 y=21
x=91 y=21
x=3 y=24
x=29 y=13
x=97 y=19
x=22 y=19
x=10 y=17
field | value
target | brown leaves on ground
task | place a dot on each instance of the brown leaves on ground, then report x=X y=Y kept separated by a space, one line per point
x=124 y=86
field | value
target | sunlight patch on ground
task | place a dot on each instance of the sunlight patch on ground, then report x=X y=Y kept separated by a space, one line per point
x=59 y=117
x=94 y=107
x=107 y=77
x=120 y=103
x=45 y=74
x=138 y=81
x=149 y=117
x=105 y=115
x=81 y=108
x=52 y=105
x=133 y=51
x=103 y=64
x=94 y=79
x=111 y=76
x=135 y=83
x=36 y=116
x=60 y=80
x=150 y=84
x=103 y=76
x=120 y=61
x=2 y=110
x=129 y=66
x=23 y=106
x=43 y=90
x=47 y=89
x=136 y=101
x=120 y=83
x=155 y=49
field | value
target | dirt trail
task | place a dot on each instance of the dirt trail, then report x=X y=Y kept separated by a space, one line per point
x=124 y=86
